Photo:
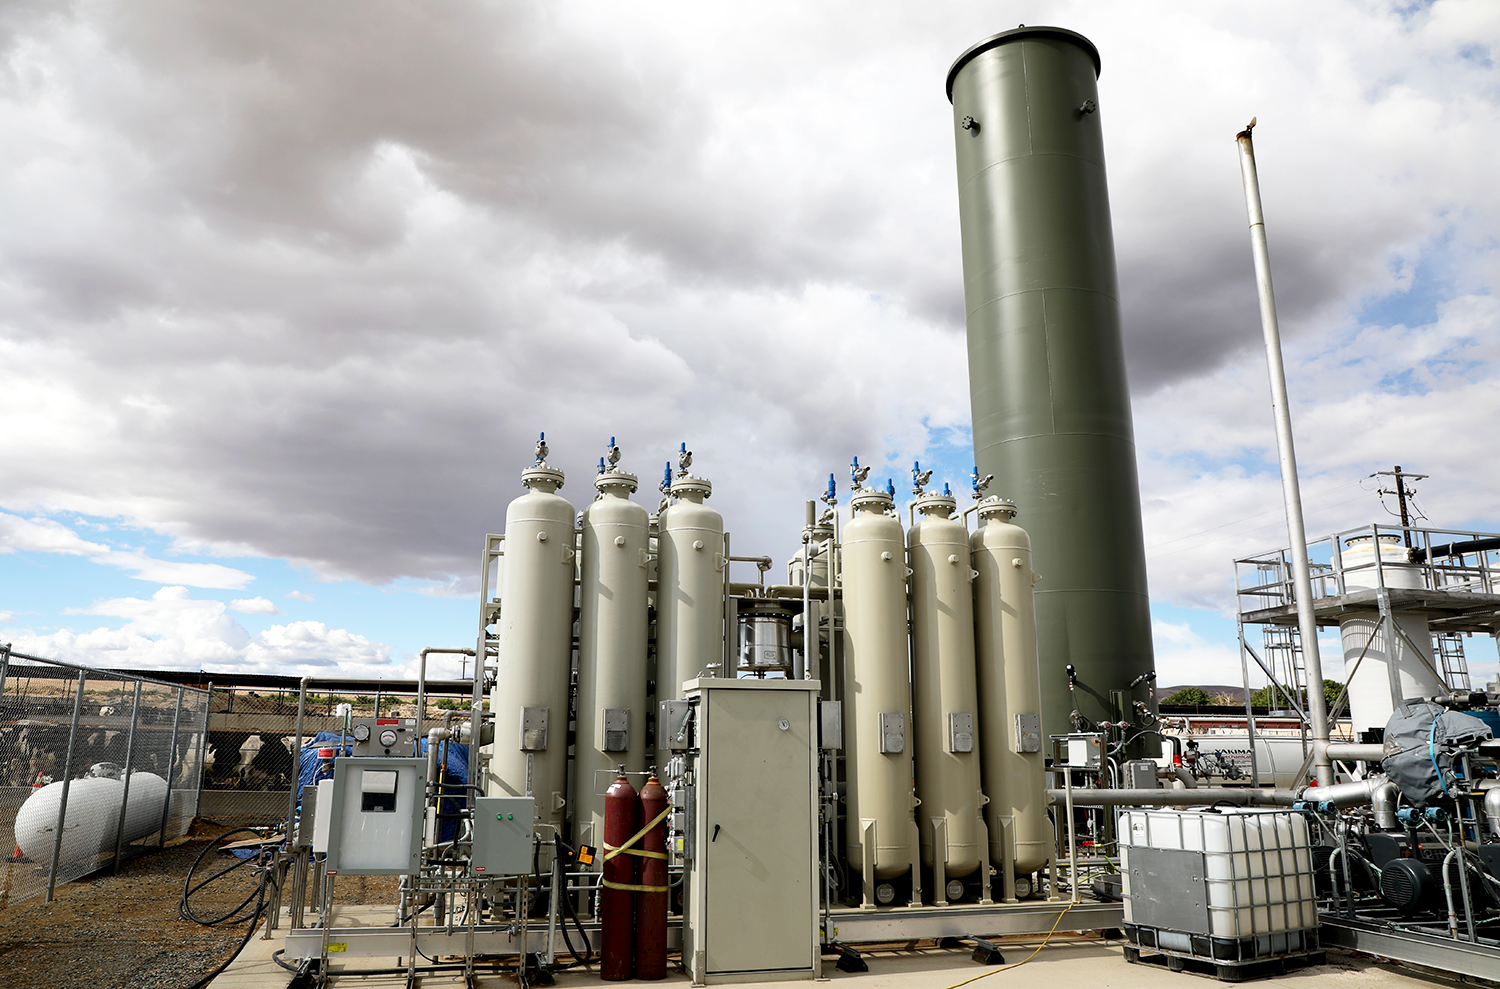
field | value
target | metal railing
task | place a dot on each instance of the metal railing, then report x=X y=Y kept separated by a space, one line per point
x=95 y=766
x=1448 y=560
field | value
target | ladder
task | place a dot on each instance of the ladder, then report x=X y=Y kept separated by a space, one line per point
x=1448 y=648
x=1283 y=645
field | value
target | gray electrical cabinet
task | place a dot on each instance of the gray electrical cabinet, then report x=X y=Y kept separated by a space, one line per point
x=375 y=816
x=751 y=908
x=503 y=836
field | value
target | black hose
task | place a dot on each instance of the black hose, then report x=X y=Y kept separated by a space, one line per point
x=254 y=918
x=564 y=853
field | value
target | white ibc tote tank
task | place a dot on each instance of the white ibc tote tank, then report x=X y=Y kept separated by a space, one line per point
x=93 y=817
x=1372 y=699
x=690 y=586
x=1010 y=692
x=944 y=694
x=530 y=699
x=881 y=836
x=611 y=713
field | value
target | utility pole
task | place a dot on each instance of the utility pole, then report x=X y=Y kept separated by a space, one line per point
x=1400 y=492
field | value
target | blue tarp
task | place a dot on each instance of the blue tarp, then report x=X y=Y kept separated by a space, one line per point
x=310 y=769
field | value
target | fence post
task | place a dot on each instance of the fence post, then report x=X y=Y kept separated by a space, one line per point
x=208 y=711
x=62 y=806
x=166 y=811
x=135 y=717
x=4 y=665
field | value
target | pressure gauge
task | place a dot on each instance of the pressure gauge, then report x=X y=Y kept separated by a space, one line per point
x=388 y=737
x=361 y=733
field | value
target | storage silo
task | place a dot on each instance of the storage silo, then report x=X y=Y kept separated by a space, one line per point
x=1051 y=408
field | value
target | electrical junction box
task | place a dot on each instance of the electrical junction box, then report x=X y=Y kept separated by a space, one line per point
x=375 y=816
x=1081 y=751
x=322 y=797
x=1140 y=774
x=504 y=829
x=675 y=725
x=750 y=911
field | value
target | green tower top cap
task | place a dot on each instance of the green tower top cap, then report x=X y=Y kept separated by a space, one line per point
x=1021 y=34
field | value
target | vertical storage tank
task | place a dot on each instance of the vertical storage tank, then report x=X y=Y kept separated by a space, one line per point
x=1046 y=361
x=1376 y=688
x=1010 y=723
x=689 y=591
x=944 y=698
x=530 y=698
x=881 y=833
x=611 y=713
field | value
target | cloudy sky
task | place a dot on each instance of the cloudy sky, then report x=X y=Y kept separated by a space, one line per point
x=287 y=290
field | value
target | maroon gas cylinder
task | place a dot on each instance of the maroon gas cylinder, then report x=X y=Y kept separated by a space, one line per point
x=651 y=900
x=622 y=814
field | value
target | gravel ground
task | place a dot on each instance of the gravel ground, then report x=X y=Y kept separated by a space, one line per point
x=115 y=930
x=123 y=931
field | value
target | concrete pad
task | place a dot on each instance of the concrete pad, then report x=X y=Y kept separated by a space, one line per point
x=1068 y=961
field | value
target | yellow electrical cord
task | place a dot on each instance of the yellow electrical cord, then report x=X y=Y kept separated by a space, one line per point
x=1023 y=961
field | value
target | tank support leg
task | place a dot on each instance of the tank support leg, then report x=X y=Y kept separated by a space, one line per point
x=916 y=863
x=1007 y=859
x=984 y=861
x=867 y=858
x=939 y=863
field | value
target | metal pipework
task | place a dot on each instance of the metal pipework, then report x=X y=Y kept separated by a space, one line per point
x=1376 y=788
x=422 y=687
x=1356 y=752
x=1307 y=623
x=1051 y=406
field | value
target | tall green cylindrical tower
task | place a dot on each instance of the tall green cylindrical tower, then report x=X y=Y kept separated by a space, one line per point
x=1046 y=362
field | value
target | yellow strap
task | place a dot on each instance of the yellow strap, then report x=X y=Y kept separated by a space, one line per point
x=633 y=888
x=652 y=855
x=611 y=851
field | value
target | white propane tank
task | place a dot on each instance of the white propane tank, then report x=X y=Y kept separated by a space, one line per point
x=1010 y=690
x=530 y=700
x=92 y=819
x=944 y=692
x=611 y=713
x=881 y=834
x=690 y=590
x=1371 y=700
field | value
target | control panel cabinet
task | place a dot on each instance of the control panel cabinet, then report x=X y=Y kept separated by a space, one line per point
x=375 y=816
x=752 y=896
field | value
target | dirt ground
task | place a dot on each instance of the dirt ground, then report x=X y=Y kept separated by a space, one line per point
x=106 y=931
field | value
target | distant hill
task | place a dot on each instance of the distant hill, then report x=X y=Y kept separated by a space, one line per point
x=1235 y=692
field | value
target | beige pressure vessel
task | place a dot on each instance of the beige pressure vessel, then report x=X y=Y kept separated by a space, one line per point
x=1010 y=693
x=881 y=833
x=690 y=591
x=530 y=700
x=1373 y=695
x=944 y=695
x=611 y=713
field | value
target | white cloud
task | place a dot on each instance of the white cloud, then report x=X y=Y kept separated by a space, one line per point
x=174 y=630
x=44 y=535
x=258 y=269
x=254 y=606
x=299 y=596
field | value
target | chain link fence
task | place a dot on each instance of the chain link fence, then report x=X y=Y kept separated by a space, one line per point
x=95 y=766
x=252 y=730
